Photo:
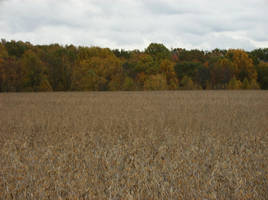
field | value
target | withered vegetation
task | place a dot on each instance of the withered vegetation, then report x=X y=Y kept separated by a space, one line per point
x=134 y=145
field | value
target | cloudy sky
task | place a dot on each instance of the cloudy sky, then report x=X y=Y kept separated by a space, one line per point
x=133 y=24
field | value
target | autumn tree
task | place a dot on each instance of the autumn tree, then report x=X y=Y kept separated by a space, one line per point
x=98 y=73
x=234 y=84
x=84 y=53
x=243 y=64
x=3 y=53
x=140 y=80
x=254 y=85
x=10 y=72
x=27 y=67
x=250 y=85
x=3 y=75
x=167 y=69
x=156 y=82
x=245 y=84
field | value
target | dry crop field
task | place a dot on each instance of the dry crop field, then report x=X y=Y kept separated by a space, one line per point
x=134 y=145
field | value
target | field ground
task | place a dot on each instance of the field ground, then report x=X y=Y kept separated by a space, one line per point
x=134 y=145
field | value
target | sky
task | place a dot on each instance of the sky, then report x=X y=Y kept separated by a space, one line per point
x=134 y=24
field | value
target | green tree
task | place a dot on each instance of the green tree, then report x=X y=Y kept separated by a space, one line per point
x=138 y=67
x=140 y=62
x=259 y=55
x=17 y=49
x=189 y=69
x=221 y=72
x=128 y=84
x=60 y=62
x=183 y=55
x=262 y=69
x=34 y=72
x=187 y=84
x=158 y=51
x=203 y=76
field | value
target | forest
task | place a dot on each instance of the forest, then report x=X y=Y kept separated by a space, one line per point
x=25 y=67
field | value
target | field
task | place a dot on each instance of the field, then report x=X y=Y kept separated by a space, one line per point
x=134 y=145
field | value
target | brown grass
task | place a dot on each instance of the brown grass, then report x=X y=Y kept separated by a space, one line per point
x=134 y=145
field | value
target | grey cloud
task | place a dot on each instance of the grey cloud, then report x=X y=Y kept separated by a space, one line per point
x=135 y=23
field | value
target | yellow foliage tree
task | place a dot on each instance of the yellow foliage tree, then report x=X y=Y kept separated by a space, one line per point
x=234 y=84
x=254 y=85
x=245 y=84
x=243 y=64
x=167 y=68
x=140 y=79
x=98 y=73
x=3 y=53
x=45 y=86
x=156 y=82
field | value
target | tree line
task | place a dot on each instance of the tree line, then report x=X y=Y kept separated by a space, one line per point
x=27 y=67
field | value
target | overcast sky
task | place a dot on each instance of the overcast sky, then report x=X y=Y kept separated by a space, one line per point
x=133 y=24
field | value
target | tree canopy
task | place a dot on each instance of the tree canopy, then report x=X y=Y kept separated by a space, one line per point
x=27 y=67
